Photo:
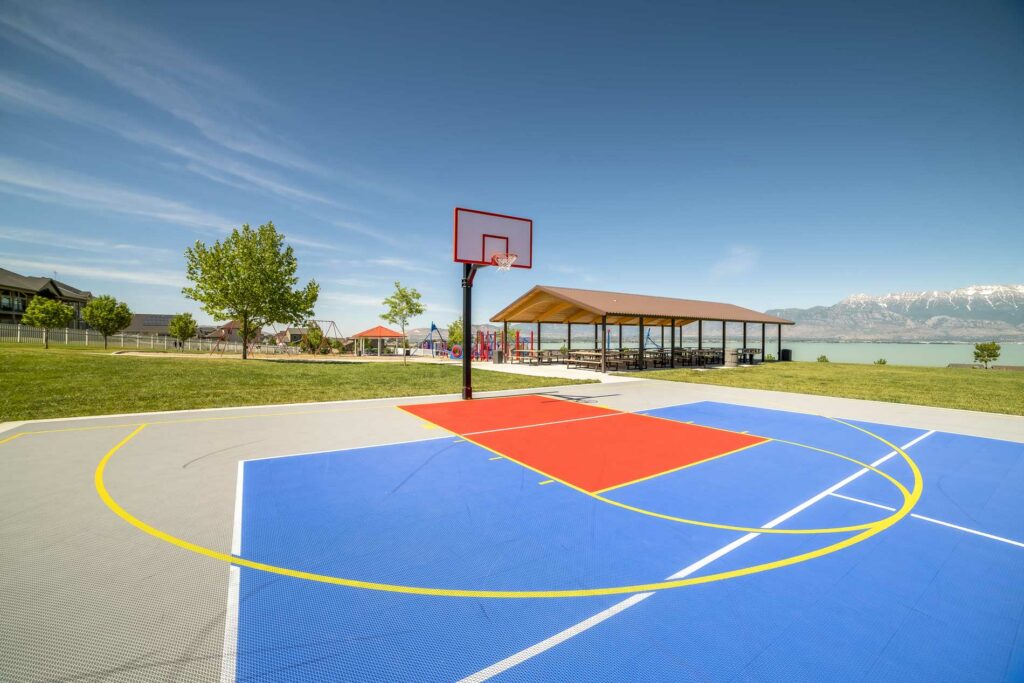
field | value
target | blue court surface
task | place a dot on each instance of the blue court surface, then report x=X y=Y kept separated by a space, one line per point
x=935 y=595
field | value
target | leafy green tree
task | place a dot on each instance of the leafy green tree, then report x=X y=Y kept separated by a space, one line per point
x=403 y=304
x=313 y=340
x=182 y=327
x=455 y=332
x=107 y=315
x=822 y=359
x=49 y=314
x=987 y=352
x=249 y=277
x=881 y=361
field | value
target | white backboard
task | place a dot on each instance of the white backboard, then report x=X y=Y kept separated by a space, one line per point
x=479 y=235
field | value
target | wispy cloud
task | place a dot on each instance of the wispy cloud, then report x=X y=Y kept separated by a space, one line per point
x=363 y=229
x=119 y=273
x=441 y=308
x=156 y=71
x=738 y=261
x=402 y=264
x=46 y=184
x=362 y=300
x=61 y=240
x=203 y=161
x=355 y=282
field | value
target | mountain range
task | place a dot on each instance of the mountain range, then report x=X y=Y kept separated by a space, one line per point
x=969 y=314
x=975 y=313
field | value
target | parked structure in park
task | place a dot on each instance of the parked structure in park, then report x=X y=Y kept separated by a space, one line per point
x=604 y=310
x=17 y=290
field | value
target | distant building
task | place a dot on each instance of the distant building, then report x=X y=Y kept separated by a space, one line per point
x=154 y=324
x=230 y=331
x=291 y=335
x=17 y=290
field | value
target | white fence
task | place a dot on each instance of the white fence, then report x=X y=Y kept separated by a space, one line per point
x=23 y=334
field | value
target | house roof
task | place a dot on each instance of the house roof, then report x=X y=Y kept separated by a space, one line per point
x=37 y=285
x=565 y=305
x=379 y=332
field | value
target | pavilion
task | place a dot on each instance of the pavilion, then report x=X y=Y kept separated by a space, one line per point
x=544 y=304
x=381 y=334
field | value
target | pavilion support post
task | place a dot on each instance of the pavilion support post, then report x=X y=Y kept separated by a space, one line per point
x=379 y=346
x=538 y=339
x=568 y=338
x=662 y=336
x=723 y=342
x=744 y=336
x=604 y=346
x=504 y=342
x=595 y=334
x=640 y=329
x=672 y=350
x=620 y=336
x=779 y=340
x=763 y=348
x=700 y=335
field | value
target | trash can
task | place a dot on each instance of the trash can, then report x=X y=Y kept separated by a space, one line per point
x=786 y=354
x=499 y=356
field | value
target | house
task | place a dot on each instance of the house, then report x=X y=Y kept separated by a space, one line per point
x=17 y=290
x=153 y=324
x=231 y=331
x=291 y=335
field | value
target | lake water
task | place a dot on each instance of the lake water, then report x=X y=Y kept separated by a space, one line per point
x=936 y=355
x=939 y=355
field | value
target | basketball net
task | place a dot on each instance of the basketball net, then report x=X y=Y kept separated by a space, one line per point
x=504 y=261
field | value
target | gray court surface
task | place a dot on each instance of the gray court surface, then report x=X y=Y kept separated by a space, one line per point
x=85 y=596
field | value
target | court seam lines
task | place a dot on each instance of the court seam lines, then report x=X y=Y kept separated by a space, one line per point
x=983 y=534
x=564 y=635
x=617 y=413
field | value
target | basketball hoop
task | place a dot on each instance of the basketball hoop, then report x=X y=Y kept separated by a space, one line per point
x=504 y=261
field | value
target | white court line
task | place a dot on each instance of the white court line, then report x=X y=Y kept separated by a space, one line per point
x=576 y=629
x=229 y=655
x=545 y=424
x=936 y=521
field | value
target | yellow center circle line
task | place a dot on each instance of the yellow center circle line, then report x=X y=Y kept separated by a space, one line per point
x=874 y=528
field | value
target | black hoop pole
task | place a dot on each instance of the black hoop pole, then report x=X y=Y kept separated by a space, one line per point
x=468 y=272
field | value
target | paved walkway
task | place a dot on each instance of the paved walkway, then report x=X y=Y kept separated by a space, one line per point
x=556 y=370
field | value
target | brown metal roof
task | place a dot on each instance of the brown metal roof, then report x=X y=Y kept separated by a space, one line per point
x=565 y=305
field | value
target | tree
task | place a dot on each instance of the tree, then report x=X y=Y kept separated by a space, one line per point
x=403 y=304
x=49 y=314
x=313 y=340
x=107 y=315
x=182 y=327
x=455 y=332
x=987 y=352
x=249 y=277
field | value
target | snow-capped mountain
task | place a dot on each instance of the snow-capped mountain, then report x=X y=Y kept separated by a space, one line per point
x=975 y=313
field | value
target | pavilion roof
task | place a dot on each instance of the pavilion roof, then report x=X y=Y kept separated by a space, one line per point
x=564 y=305
x=379 y=332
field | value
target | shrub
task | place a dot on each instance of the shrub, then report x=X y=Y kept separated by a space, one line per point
x=881 y=361
x=823 y=359
x=769 y=357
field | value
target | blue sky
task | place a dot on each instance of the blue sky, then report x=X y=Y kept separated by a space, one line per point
x=766 y=154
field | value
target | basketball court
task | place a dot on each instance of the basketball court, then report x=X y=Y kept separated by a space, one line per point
x=636 y=531
x=594 y=533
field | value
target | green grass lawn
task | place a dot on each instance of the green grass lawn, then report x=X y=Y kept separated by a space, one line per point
x=989 y=391
x=35 y=383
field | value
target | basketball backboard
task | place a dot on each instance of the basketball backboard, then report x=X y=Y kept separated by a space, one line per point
x=480 y=235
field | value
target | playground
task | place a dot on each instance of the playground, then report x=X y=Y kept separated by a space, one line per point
x=644 y=531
